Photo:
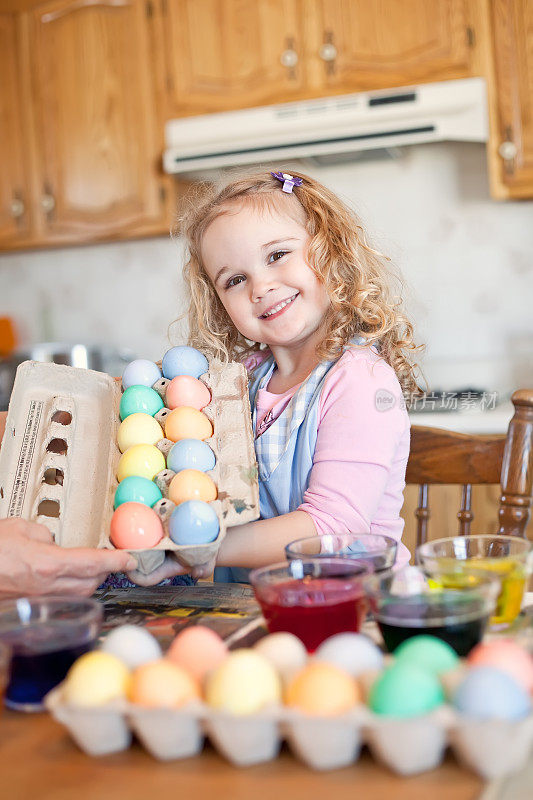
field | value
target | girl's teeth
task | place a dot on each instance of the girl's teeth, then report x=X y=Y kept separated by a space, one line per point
x=279 y=307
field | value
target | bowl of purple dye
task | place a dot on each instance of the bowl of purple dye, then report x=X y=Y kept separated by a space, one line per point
x=45 y=636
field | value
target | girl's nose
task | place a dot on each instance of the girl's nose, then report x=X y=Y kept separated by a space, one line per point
x=260 y=286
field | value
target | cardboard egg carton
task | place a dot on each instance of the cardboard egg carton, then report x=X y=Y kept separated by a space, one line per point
x=59 y=456
x=491 y=748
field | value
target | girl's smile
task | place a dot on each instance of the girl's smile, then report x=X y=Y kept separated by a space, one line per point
x=257 y=261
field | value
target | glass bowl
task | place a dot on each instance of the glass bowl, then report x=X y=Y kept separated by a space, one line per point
x=457 y=560
x=312 y=598
x=405 y=604
x=5 y=659
x=46 y=635
x=379 y=550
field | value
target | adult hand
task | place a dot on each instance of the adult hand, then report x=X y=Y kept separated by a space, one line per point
x=31 y=564
x=170 y=568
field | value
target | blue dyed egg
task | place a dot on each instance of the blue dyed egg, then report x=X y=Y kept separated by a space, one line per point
x=140 y=372
x=184 y=360
x=135 y=489
x=193 y=522
x=140 y=399
x=489 y=693
x=190 y=454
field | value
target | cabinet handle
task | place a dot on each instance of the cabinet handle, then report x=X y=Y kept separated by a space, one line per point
x=328 y=52
x=17 y=207
x=289 y=58
x=508 y=151
x=48 y=203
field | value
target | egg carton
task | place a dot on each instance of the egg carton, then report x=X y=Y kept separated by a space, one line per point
x=59 y=456
x=491 y=748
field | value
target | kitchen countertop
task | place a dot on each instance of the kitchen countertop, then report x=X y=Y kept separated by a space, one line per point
x=495 y=420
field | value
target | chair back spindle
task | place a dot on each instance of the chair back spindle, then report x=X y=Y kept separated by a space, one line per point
x=465 y=514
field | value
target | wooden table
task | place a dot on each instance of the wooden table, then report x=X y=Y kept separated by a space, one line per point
x=38 y=761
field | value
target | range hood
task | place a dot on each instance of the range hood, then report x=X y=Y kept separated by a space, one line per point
x=343 y=124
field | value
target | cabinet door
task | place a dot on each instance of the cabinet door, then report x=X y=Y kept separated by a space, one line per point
x=511 y=156
x=15 y=206
x=95 y=122
x=226 y=54
x=371 y=44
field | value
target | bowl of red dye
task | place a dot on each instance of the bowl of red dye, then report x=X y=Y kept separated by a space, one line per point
x=379 y=550
x=312 y=598
x=405 y=604
x=45 y=635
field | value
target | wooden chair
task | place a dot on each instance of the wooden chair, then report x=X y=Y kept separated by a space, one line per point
x=444 y=457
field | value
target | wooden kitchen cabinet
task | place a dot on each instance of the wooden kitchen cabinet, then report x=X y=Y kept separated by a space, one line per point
x=511 y=145
x=15 y=203
x=227 y=54
x=356 y=45
x=95 y=139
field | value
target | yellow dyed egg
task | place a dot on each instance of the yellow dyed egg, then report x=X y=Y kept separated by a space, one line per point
x=191 y=484
x=322 y=689
x=138 y=429
x=162 y=684
x=96 y=678
x=143 y=460
x=243 y=684
x=187 y=423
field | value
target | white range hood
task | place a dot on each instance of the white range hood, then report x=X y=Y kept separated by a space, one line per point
x=343 y=124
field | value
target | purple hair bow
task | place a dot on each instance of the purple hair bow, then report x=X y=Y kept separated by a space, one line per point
x=287 y=180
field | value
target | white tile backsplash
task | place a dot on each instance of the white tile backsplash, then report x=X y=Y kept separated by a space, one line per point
x=467 y=261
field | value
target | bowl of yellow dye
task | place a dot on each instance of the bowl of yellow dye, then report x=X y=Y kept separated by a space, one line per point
x=460 y=561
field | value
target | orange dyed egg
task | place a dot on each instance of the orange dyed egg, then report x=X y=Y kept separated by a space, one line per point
x=162 y=684
x=135 y=526
x=187 y=423
x=322 y=689
x=198 y=650
x=191 y=484
x=184 y=390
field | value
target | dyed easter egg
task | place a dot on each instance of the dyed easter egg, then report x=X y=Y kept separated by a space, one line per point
x=243 y=684
x=507 y=655
x=190 y=454
x=132 y=644
x=405 y=690
x=191 y=484
x=193 y=522
x=284 y=651
x=138 y=428
x=140 y=372
x=185 y=390
x=143 y=460
x=135 y=489
x=184 y=360
x=428 y=652
x=135 y=526
x=490 y=693
x=322 y=689
x=96 y=678
x=140 y=399
x=352 y=652
x=198 y=650
x=187 y=423
x=162 y=684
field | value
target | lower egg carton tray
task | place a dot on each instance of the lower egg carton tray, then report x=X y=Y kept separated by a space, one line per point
x=406 y=746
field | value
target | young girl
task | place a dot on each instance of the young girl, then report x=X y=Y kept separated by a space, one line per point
x=281 y=275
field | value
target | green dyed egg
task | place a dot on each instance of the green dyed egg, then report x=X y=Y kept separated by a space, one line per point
x=135 y=489
x=428 y=652
x=405 y=690
x=140 y=399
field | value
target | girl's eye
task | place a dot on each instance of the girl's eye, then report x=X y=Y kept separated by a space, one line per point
x=234 y=281
x=276 y=255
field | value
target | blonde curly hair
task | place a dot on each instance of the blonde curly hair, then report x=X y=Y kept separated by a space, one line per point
x=356 y=277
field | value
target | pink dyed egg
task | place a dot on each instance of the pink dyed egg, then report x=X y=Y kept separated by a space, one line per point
x=135 y=526
x=507 y=656
x=184 y=390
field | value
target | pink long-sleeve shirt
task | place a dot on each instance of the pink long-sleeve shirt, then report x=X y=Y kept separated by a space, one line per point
x=358 y=476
